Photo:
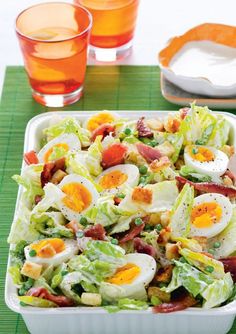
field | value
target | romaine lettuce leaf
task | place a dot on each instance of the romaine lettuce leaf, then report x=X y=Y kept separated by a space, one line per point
x=68 y=125
x=16 y=276
x=220 y=133
x=106 y=252
x=95 y=271
x=176 y=139
x=192 y=175
x=218 y=292
x=180 y=213
x=75 y=165
x=67 y=284
x=36 y=301
x=204 y=263
x=94 y=157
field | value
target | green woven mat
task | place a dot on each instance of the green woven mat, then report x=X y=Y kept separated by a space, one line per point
x=107 y=87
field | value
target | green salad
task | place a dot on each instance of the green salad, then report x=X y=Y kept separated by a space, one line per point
x=128 y=214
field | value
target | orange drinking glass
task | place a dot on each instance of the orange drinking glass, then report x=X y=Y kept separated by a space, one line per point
x=113 y=27
x=54 y=40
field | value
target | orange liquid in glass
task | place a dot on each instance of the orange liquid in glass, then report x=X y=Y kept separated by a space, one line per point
x=55 y=68
x=113 y=21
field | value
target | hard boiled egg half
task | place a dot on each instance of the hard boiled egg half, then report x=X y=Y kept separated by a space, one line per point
x=205 y=159
x=131 y=279
x=100 y=118
x=52 y=251
x=112 y=179
x=210 y=215
x=80 y=196
x=59 y=147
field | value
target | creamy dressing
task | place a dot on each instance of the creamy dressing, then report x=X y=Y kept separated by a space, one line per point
x=206 y=59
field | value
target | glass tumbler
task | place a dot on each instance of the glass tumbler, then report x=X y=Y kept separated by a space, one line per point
x=54 y=39
x=113 y=27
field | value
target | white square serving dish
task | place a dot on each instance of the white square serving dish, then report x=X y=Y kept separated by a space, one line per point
x=95 y=320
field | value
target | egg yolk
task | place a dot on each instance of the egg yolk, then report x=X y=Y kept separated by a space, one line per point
x=99 y=119
x=48 y=248
x=201 y=154
x=206 y=214
x=113 y=179
x=125 y=275
x=77 y=198
x=55 y=152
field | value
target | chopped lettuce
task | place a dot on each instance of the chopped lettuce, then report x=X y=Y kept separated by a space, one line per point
x=180 y=213
x=42 y=283
x=106 y=252
x=95 y=271
x=16 y=276
x=176 y=139
x=75 y=165
x=191 y=244
x=204 y=263
x=51 y=224
x=192 y=175
x=22 y=228
x=122 y=225
x=67 y=284
x=105 y=212
x=226 y=239
x=30 y=180
x=218 y=292
x=57 y=275
x=68 y=125
x=220 y=134
x=189 y=277
x=94 y=157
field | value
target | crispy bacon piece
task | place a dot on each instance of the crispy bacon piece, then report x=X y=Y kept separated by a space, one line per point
x=31 y=158
x=209 y=187
x=133 y=232
x=114 y=155
x=180 y=303
x=148 y=153
x=143 y=130
x=103 y=130
x=60 y=300
x=142 y=247
x=164 y=274
x=96 y=232
x=230 y=265
x=184 y=112
x=37 y=199
x=50 y=168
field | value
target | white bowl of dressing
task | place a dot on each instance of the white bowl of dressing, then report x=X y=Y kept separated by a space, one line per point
x=202 y=61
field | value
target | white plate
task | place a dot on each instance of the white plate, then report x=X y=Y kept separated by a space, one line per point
x=95 y=320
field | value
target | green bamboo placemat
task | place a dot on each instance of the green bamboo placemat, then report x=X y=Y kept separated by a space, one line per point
x=106 y=87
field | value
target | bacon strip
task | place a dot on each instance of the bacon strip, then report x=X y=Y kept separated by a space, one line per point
x=103 y=130
x=114 y=155
x=96 y=232
x=184 y=112
x=50 y=168
x=143 y=130
x=60 y=300
x=208 y=187
x=148 y=153
x=182 y=302
x=142 y=247
x=230 y=266
x=133 y=232
x=31 y=158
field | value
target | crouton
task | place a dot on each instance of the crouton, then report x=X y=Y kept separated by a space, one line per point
x=32 y=270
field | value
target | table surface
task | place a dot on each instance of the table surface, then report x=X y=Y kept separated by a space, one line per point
x=157 y=22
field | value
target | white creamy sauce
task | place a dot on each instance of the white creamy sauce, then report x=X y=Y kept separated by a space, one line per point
x=210 y=60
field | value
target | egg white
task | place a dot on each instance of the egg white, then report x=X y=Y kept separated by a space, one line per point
x=130 y=170
x=214 y=168
x=74 y=178
x=67 y=138
x=216 y=228
x=71 y=248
